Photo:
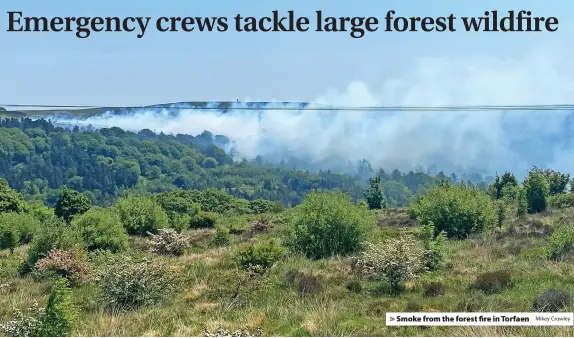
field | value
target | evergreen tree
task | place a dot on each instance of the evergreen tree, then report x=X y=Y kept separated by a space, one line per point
x=374 y=194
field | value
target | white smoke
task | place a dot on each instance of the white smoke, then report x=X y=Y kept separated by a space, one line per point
x=482 y=140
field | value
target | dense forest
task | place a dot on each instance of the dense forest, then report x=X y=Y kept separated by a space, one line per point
x=38 y=158
x=114 y=233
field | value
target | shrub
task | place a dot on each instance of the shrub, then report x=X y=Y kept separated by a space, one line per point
x=455 y=209
x=561 y=243
x=551 y=300
x=10 y=199
x=127 y=283
x=537 y=190
x=203 y=220
x=9 y=237
x=101 y=229
x=259 y=226
x=61 y=312
x=71 y=203
x=24 y=323
x=395 y=260
x=561 y=201
x=53 y=234
x=68 y=264
x=25 y=225
x=433 y=289
x=168 y=242
x=354 y=286
x=260 y=206
x=221 y=236
x=327 y=224
x=140 y=215
x=433 y=257
x=492 y=282
x=258 y=258
x=179 y=222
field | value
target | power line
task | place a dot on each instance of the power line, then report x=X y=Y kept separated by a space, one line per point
x=264 y=106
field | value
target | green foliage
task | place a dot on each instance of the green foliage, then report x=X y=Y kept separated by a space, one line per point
x=552 y=300
x=561 y=243
x=561 y=201
x=203 y=220
x=221 y=236
x=504 y=187
x=71 y=203
x=522 y=208
x=127 y=283
x=455 y=209
x=374 y=195
x=26 y=323
x=557 y=181
x=260 y=257
x=10 y=199
x=326 y=224
x=354 y=286
x=433 y=256
x=261 y=206
x=53 y=234
x=101 y=229
x=61 y=313
x=179 y=222
x=9 y=237
x=140 y=215
x=492 y=282
x=537 y=191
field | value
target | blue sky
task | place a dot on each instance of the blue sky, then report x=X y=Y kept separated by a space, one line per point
x=119 y=69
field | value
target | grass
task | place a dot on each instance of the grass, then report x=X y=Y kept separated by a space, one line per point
x=216 y=292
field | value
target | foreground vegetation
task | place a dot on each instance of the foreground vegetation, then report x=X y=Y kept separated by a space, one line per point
x=199 y=262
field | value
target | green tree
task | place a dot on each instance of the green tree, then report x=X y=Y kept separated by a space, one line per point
x=537 y=191
x=61 y=313
x=101 y=229
x=71 y=203
x=9 y=237
x=455 y=209
x=10 y=199
x=326 y=224
x=140 y=215
x=374 y=194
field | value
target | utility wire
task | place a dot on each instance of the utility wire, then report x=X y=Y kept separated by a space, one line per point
x=307 y=107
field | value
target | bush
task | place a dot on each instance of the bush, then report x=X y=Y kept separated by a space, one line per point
x=68 y=264
x=127 y=283
x=71 y=203
x=455 y=209
x=203 y=220
x=10 y=199
x=221 y=236
x=168 y=242
x=258 y=258
x=433 y=257
x=561 y=201
x=560 y=243
x=53 y=234
x=328 y=224
x=101 y=229
x=551 y=300
x=140 y=215
x=25 y=225
x=433 y=289
x=60 y=314
x=9 y=237
x=537 y=190
x=413 y=306
x=394 y=260
x=179 y=222
x=492 y=282
x=26 y=323
x=260 y=206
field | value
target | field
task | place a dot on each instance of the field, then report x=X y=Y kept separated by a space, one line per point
x=215 y=291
